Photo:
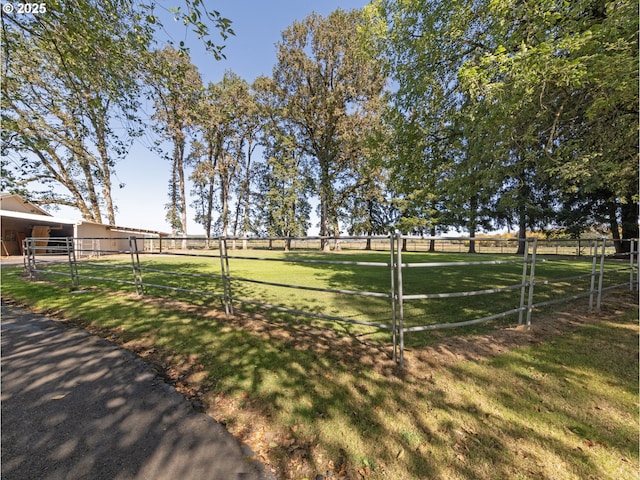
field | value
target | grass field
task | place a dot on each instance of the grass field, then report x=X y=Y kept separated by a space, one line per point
x=202 y=274
x=311 y=401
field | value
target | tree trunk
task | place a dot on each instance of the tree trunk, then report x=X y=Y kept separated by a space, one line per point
x=105 y=166
x=173 y=208
x=208 y=221
x=336 y=233
x=324 y=223
x=629 y=216
x=612 y=210
x=325 y=202
x=179 y=157
x=432 y=242
x=247 y=195
x=94 y=204
x=212 y=162
x=224 y=199
x=522 y=234
x=472 y=242
x=473 y=223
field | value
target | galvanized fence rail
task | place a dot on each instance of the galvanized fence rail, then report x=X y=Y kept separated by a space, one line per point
x=39 y=256
x=234 y=278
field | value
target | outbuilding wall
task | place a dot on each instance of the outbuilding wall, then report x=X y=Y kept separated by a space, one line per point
x=93 y=236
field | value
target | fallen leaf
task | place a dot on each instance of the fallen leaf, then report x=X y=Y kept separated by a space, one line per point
x=59 y=397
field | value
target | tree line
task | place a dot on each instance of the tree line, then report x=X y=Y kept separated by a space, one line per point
x=420 y=115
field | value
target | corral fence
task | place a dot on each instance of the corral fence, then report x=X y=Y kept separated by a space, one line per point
x=536 y=278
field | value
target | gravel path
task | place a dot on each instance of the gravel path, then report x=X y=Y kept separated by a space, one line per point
x=76 y=407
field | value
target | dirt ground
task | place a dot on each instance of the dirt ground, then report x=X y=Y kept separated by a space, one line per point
x=544 y=326
x=449 y=349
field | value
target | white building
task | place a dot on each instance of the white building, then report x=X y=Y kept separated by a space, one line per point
x=20 y=219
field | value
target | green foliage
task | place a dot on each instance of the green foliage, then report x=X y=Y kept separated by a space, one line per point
x=176 y=88
x=70 y=73
x=502 y=114
x=513 y=112
x=227 y=124
x=547 y=70
x=326 y=92
x=193 y=17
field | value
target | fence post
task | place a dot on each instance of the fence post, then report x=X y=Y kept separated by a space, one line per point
x=135 y=264
x=226 y=278
x=73 y=265
x=30 y=250
x=532 y=276
x=632 y=252
x=637 y=266
x=400 y=300
x=25 y=254
x=593 y=274
x=392 y=265
x=523 y=289
x=604 y=246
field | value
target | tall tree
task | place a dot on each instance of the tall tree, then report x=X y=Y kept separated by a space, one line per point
x=71 y=75
x=249 y=123
x=176 y=86
x=283 y=187
x=227 y=123
x=283 y=179
x=66 y=80
x=434 y=168
x=542 y=95
x=564 y=78
x=327 y=89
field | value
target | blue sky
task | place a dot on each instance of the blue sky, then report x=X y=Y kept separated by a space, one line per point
x=250 y=53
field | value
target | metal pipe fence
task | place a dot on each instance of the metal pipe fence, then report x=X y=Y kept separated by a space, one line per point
x=528 y=281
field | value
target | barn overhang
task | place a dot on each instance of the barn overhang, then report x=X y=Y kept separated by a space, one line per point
x=17 y=226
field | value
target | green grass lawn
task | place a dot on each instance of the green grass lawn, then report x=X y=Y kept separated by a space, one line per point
x=309 y=401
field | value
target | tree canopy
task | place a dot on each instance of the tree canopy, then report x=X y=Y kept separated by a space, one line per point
x=327 y=92
x=418 y=115
x=71 y=85
x=522 y=112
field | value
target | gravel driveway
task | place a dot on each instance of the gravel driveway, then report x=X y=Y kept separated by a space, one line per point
x=76 y=407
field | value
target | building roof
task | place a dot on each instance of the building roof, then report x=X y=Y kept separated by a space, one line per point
x=37 y=217
x=116 y=228
x=15 y=206
x=17 y=203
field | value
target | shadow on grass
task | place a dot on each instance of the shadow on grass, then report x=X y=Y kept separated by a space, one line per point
x=330 y=404
x=177 y=273
x=572 y=398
